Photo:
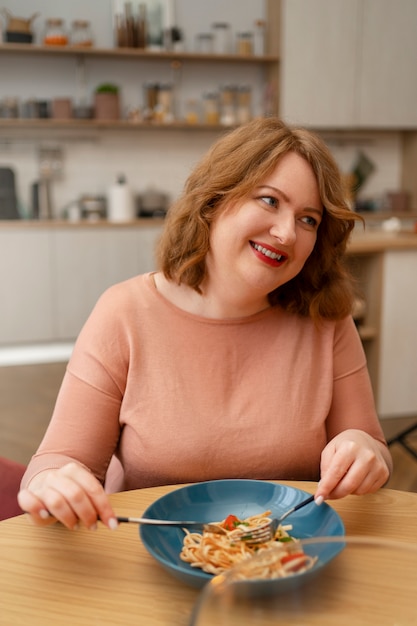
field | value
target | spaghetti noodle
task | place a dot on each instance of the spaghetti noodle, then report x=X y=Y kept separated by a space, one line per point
x=214 y=553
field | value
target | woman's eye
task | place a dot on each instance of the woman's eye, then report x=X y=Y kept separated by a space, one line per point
x=270 y=201
x=309 y=220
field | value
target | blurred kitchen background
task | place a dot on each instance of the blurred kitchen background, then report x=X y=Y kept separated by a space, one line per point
x=106 y=105
x=329 y=73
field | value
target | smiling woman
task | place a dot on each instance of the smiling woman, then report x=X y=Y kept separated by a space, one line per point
x=247 y=323
x=242 y=164
x=277 y=223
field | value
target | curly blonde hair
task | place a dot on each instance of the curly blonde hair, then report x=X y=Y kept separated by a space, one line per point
x=237 y=163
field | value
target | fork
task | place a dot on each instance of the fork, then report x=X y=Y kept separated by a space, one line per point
x=263 y=533
x=149 y=521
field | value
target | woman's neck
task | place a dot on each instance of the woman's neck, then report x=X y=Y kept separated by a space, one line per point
x=213 y=302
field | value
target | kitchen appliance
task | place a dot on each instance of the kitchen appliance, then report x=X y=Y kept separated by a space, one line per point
x=42 y=199
x=120 y=202
x=50 y=168
x=8 y=197
x=152 y=203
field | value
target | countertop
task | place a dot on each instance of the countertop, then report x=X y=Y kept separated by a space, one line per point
x=370 y=241
x=374 y=241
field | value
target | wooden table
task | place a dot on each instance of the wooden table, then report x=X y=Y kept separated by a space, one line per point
x=54 y=576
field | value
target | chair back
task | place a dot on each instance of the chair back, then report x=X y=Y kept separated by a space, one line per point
x=11 y=474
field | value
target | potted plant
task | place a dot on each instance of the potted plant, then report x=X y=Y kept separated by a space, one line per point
x=107 y=102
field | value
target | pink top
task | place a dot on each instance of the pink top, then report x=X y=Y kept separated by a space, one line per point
x=181 y=398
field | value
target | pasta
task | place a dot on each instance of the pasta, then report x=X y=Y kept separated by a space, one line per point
x=214 y=553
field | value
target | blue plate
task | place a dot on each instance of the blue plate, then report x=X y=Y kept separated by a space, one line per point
x=213 y=501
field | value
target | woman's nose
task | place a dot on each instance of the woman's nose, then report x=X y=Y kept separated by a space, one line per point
x=283 y=229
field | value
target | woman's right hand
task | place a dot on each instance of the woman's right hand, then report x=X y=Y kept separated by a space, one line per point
x=70 y=495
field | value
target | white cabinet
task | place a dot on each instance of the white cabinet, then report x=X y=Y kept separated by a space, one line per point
x=349 y=64
x=87 y=261
x=52 y=276
x=25 y=278
x=388 y=69
x=318 y=62
x=397 y=389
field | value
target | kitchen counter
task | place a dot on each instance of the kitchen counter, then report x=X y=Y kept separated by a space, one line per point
x=374 y=241
x=370 y=240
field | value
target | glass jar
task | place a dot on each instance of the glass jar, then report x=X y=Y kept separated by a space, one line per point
x=192 y=115
x=150 y=100
x=211 y=108
x=221 y=38
x=204 y=43
x=228 y=105
x=244 y=104
x=81 y=34
x=244 y=44
x=164 y=109
x=55 y=33
x=9 y=108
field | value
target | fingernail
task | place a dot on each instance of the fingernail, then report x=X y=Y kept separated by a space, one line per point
x=44 y=514
x=113 y=523
x=319 y=500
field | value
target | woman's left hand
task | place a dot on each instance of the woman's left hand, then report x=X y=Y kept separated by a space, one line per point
x=353 y=462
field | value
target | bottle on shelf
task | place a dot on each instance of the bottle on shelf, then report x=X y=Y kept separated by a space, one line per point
x=120 y=202
x=259 y=38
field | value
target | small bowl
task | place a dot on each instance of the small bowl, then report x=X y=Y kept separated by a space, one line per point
x=213 y=501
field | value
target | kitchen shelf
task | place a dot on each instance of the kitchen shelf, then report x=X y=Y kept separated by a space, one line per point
x=92 y=124
x=135 y=53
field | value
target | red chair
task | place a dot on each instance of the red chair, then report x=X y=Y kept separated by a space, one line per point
x=10 y=476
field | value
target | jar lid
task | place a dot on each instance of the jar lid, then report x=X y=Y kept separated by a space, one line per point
x=221 y=25
x=81 y=24
x=54 y=21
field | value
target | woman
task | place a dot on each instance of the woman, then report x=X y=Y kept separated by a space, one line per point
x=238 y=358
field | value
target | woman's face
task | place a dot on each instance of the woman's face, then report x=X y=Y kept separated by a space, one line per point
x=263 y=242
